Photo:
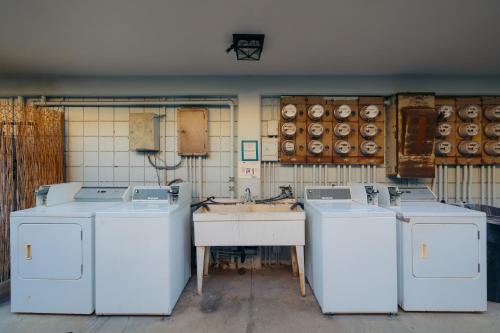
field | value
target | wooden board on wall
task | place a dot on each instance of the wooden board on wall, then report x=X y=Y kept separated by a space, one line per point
x=489 y=101
x=192 y=132
x=451 y=158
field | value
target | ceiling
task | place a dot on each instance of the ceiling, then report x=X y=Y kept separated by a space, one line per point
x=307 y=37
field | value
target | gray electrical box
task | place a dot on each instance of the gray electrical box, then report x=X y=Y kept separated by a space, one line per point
x=144 y=132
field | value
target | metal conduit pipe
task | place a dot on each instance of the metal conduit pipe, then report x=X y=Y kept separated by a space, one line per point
x=493 y=194
x=368 y=174
x=481 y=184
x=374 y=173
x=457 y=183
x=469 y=183
x=338 y=174
x=302 y=181
x=464 y=184
x=350 y=175
x=362 y=174
x=314 y=174
x=445 y=183
x=200 y=179
x=326 y=174
x=160 y=102
x=434 y=180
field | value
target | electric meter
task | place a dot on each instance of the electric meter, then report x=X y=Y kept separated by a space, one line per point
x=315 y=130
x=288 y=147
x=316 y=111
x=288 y=130
x=368 y=130
x=342 y=129
x=444 y=129
x=468 y=130
x=468 y=147
x=368 y=148
x=315 y=147
x=342 y=147
x=342 y=112
x=443 y=148
x=492 y=130
x=445 y=111
x=492 y=112
x=289 y=112
x=492 y=148
x=369 y=112
x=469 y=112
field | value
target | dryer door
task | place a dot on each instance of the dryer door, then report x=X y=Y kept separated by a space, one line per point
x=445 y=250
x=50 y=251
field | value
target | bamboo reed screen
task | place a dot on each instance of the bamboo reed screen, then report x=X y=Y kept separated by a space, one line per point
x=37 y=134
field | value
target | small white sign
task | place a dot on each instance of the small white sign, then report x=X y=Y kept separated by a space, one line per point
x=249 y=170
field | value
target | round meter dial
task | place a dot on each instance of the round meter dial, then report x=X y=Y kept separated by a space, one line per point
x=444 y=129
x=316 y=111
x=315 y=147
x=342 y=147
x=288 y=147
x=492 y=148
x=315 y=130
x=443 y=148
x=492 y=130
x=469 y=148
x=342 y=129
x=369 y=148
x=469 y=112
x=369 y=112
x=289 y=130
x=445 y=111
x=492 y=113
x=468 y=130
x=368 y=130
x=289 y=111
x=342 y=112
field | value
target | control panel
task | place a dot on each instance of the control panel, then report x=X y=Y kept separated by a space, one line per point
x=96 y=194
x=328 y=193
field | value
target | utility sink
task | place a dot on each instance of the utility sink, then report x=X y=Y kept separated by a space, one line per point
x=249 y=224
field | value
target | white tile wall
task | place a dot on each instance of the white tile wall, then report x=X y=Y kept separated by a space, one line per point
x=97 y=149
x=275 y=175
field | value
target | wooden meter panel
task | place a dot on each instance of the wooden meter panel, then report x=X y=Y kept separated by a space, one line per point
x=468 y=130
x=371 y=130
x=491 y=130
x=445 y=146
x=192 y=132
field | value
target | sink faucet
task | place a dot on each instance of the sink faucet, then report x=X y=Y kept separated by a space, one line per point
x=248 y=195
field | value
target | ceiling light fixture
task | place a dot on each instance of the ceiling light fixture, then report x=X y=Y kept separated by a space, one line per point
x=247 y=46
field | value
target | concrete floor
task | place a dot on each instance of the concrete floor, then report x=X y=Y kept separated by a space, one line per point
x=263 y=301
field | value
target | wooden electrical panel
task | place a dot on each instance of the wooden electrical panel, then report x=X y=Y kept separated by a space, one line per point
x=411 y=127
x=192 y=132
x=325 y=130
x=491 y=130
x=468 y=130
x=446 y=145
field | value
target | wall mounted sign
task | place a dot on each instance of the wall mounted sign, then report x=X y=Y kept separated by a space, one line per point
x=249 y=150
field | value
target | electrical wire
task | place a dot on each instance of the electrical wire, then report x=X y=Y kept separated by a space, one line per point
x=165 y=166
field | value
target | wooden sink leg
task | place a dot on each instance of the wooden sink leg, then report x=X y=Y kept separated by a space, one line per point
x=200 y=258
x=293 y=255
x=207 y=260
x=300 y=262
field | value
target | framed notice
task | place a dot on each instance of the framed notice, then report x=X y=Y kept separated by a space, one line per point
x=249 y=150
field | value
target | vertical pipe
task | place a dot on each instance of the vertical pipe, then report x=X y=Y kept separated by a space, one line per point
x=445 y=183
x=440 y=182
x=493 y=194
x=374 y=173
x=200 y=180
x=314 y=174
x=338 y=174
x=457 y=183
x=464 y=184
x=481 y=184
x=434 y=180
x=326 y=174
x=469 y=182
x=232 y=180
x=488 y=183
x=302 y=181
x=295 y=181
x=350 y=175
x=368 y=173
x=362 y=173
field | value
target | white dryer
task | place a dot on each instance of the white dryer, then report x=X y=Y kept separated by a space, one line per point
x=441 y=251
x=143 y=251
x=52 y=249
x=350 y=252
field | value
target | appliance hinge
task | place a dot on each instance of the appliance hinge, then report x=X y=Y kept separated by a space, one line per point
x=478 y=234
x=478 y=268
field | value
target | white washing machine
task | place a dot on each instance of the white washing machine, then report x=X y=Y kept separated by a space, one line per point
x=441 y=251
x=350 y=252
x=52 y=249
x=143 y=251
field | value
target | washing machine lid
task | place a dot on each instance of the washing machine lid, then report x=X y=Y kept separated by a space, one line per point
x=137 y=209
x=350 y=209
x=70 y=209
x=436 y=209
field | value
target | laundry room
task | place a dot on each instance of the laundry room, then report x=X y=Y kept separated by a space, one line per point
x=249 y=166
